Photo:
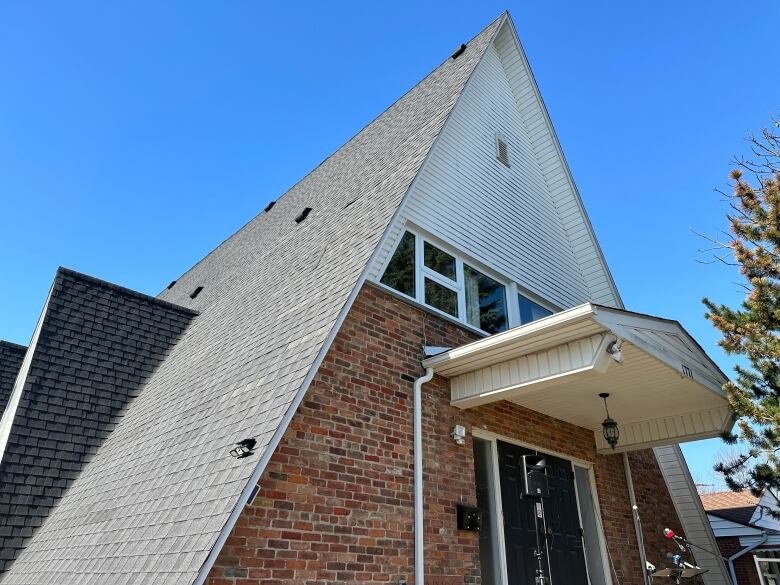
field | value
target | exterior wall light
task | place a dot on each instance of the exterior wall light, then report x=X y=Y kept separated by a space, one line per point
x=613 y=349
x=458 y=434
x=609 y=427
x=243 y=449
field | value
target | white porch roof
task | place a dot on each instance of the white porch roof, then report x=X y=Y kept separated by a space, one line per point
x=667 y=390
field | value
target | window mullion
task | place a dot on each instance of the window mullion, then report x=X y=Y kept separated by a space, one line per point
x=513 y=307
x=419 y=283
x=461 y=289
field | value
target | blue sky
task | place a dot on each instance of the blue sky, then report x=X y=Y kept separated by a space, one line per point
x=135 y=137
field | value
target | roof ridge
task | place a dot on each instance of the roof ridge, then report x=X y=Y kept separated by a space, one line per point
x=124 y=290
x=12 y=345
x=504 y=15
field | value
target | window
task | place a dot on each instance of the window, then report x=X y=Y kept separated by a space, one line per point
x=439 y=261
x=444 y=281
x=502 y=149
x=485 y=301
x=400 y=272
x=531 y=311
x=441 y=297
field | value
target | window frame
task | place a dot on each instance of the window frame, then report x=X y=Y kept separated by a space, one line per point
x=511 y=288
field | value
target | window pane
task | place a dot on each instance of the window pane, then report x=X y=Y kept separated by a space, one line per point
x=531 y=311
x=400 y=271
x=439 y=261
x=441 y=297
x=485 y=301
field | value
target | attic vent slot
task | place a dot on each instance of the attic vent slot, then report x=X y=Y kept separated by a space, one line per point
x=196 y=292
x=502 y=149
x=269 y=206
x=170 y=286
x=303 y=215
x=459 y=51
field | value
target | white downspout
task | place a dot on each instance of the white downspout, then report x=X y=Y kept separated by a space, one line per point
x=419 y=543
x=640 y=539
x=735 y=556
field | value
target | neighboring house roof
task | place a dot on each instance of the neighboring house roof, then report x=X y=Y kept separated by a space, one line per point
x=11 y=356
x=737 y=507
x=95 y=346
x=162 y=490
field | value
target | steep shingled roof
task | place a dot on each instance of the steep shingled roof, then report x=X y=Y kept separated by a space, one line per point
x=153 y=503
x=96 y=346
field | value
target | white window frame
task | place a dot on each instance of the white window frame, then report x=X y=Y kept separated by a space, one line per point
x=757 y=559
x=511 y=288
x=491 y=437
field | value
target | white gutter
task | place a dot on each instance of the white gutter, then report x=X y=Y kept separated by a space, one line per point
x=419 y=543
x=640 y=539
x=735 y=556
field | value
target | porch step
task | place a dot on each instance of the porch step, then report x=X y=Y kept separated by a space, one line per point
x=691 y=513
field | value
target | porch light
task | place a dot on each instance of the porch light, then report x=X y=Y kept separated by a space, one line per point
x=609 y=427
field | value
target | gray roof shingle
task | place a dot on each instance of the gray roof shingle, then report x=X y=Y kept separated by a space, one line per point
x=97 y=345
x=151 y=504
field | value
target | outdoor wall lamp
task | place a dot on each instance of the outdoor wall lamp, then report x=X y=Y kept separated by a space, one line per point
x=243 y=449
x=609 y=428
x=458 y=434
x=613 y=349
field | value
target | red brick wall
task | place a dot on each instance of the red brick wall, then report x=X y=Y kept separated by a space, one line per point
x=655 y=506
x=744 y=566
x=335 y=502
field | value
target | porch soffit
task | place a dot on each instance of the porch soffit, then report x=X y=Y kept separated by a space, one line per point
x=666 y=390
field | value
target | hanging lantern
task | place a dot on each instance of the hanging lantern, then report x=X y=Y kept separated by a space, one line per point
x=609 y=427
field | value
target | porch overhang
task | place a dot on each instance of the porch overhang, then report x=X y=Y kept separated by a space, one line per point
x=666 y=390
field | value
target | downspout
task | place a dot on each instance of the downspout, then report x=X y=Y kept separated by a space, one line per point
x=735 y=556
x=640 y=539
x=419 y=561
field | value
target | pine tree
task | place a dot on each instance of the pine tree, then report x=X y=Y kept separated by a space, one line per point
x=753 y=330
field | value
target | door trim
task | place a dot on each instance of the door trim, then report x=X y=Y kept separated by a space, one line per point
x=491 y=437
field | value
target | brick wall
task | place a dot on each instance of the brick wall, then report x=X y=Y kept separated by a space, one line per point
x=655 y=506
x=335 y=502
x=744 y=566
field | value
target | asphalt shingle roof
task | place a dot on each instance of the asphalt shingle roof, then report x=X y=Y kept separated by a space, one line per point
x=151 y=504
x=735 y=506
x=98 y=344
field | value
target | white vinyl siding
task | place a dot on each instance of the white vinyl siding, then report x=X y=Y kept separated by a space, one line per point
x=506 y=218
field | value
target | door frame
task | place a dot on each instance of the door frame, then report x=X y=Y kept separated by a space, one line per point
x=491 y=437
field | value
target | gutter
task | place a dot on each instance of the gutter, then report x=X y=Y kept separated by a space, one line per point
x=419 y=543
x=735 y=556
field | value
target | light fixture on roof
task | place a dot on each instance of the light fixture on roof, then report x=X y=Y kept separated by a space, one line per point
x=243 y=448
x=609 y=428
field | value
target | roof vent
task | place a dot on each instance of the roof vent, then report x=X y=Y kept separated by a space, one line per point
x=269 y=206
x=303 y=215
x=170 y=286
x=459 y=51
x=196 y=292
x=502 y=149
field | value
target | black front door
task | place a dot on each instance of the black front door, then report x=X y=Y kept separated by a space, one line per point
x=563 y=556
